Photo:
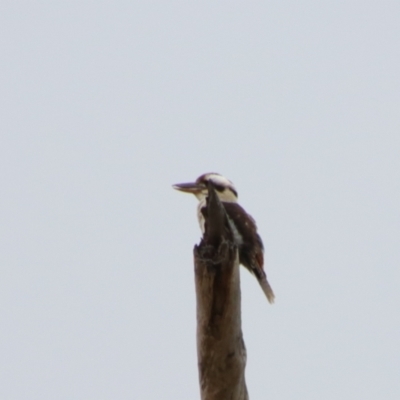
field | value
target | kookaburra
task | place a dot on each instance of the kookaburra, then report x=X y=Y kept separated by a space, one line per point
x=243 y=226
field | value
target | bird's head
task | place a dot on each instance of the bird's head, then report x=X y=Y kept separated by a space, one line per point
x=225 y=189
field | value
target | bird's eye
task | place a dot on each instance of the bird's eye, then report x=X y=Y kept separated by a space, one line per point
x=220 y=188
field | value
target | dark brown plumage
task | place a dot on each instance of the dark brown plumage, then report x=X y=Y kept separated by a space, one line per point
x=251 y=248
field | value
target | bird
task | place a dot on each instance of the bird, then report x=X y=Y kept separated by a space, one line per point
x=242 y=224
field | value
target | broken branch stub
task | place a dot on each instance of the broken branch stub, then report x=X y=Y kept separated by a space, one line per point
x=220 y=347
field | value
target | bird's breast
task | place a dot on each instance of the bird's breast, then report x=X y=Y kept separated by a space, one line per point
x=237 y=236
x=200 y=215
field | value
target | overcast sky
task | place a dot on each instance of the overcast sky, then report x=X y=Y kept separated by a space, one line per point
x=104 y=105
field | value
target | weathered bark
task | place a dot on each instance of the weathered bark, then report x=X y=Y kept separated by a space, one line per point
x=220 y=347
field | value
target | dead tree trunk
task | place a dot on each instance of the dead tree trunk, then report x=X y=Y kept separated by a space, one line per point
x=220 y=348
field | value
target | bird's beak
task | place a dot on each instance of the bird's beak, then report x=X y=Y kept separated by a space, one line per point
x=191 y=187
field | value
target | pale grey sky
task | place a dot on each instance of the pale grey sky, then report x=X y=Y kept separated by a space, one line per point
x=104 y=105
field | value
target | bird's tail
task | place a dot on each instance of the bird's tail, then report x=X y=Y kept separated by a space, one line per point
x=267 y=289
x=263 y=281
